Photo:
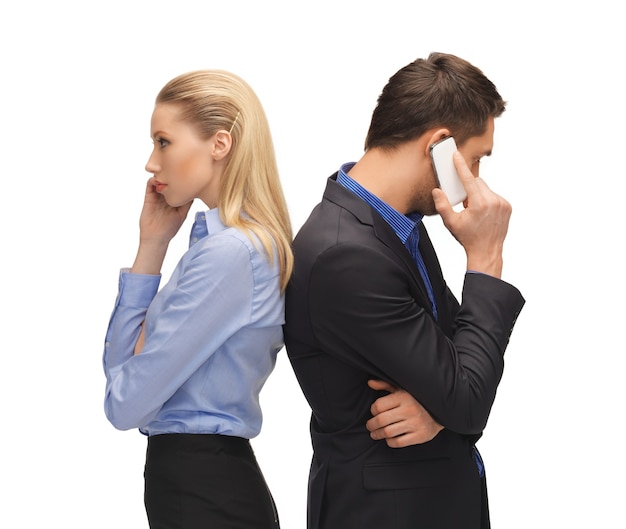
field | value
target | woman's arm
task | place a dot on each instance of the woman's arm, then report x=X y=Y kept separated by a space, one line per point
x=158 y=224
x=207 y=300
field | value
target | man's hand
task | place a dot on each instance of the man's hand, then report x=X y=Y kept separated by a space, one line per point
x=399 y=418
x=482 y=226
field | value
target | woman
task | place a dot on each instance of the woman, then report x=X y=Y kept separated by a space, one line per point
x=185 y=364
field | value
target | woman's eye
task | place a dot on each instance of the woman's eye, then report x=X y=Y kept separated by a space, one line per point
x=161 y=142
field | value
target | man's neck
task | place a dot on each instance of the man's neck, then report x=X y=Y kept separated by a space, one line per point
x=390 y=175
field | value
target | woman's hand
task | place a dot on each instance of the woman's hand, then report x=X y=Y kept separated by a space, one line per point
x=160 y=221
x=158 y=224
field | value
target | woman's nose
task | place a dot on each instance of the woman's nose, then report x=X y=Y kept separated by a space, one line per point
x=151 y=165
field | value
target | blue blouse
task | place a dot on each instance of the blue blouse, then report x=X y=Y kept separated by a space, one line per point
x=212 y=334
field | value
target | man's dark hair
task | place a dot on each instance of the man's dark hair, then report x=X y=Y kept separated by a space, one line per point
x=440 y=91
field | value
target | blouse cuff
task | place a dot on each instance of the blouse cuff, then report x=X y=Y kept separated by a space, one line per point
x=137 y=290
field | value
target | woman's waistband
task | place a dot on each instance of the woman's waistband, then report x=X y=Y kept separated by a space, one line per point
x=210 y=443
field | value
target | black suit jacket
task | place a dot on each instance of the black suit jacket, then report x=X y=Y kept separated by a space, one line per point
x=356 y=309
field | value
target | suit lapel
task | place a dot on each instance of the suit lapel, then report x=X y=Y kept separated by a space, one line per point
x=436 y=279
x=384 y=233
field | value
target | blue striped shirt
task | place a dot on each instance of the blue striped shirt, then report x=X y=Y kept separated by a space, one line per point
x=403 y=225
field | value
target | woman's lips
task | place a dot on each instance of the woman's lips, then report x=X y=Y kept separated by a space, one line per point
x=160 y=187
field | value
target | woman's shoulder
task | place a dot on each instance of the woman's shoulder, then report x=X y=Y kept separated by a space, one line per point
x=235 y=247
x=231 y=244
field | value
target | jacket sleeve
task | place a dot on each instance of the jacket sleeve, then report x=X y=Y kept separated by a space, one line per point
x=367 y=316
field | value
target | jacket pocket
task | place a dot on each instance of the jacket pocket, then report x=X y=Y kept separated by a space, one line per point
x=407 y=474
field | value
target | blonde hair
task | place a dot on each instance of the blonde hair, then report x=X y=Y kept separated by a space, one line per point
x=250 y=196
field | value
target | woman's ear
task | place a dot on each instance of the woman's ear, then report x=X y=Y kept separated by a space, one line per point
x=222 y=143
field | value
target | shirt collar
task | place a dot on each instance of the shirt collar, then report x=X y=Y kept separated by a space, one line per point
x=403 y=225
x=206 y=222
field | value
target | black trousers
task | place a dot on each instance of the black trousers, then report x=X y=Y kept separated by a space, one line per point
x=195 y=481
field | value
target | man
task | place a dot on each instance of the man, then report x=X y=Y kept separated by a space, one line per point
x=368 y=310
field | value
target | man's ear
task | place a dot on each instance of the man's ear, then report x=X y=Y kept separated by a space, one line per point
x=435 y=136
x=222 y=143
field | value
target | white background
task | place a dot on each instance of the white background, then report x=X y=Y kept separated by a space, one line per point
x=78 y=80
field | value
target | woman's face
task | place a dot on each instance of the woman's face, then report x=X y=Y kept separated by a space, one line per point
x=184 y=164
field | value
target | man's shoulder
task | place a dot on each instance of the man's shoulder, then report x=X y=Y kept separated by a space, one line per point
x=330 y=224
x=338 y=209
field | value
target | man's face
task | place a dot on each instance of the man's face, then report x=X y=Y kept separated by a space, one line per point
x=473 y=150
x=477 y=147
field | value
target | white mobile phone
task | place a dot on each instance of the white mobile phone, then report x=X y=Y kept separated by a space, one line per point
x=447 y=177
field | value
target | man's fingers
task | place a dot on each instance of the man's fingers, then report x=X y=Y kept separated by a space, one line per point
x=442 y=204
x=386 y=402
x=389 y=428
x=381 y=385
x=462 y=169
x=471 y=182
